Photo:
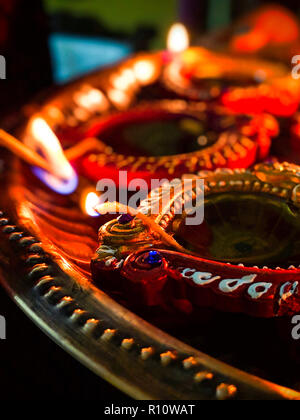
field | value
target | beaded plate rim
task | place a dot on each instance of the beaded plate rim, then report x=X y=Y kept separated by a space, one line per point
x=134 y=356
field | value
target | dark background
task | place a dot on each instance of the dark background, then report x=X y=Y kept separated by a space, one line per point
x=25 y=26
x=31 y=366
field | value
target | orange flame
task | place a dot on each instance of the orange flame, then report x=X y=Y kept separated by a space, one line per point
x=91 y=200
x=61 y=176
x=43 y=140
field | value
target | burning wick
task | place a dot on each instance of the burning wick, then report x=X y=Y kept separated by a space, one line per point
x=60 y=177
x=58 y=181
x=22 y=151
x=45 y=141
x=89 y=201
x=178 y=41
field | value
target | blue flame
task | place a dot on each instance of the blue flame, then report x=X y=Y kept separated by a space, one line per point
x=60 y=186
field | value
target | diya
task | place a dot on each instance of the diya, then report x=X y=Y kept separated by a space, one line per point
x=271 y=31
x=167 y=138
x=243 y=258
x=103 y=132
x=241 y=84
x=47 y=240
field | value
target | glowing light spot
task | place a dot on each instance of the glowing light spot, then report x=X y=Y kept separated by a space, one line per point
x=124 y=80
x=119 y=98
x=178 y=38
x=145 y=71
x=260 y=76
x=91 y=99
x=202 y=141
x=91 y=200
x=42 y=139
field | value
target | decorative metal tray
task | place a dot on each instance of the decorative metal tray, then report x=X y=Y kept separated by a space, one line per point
x=133 y=355
x=46 y=244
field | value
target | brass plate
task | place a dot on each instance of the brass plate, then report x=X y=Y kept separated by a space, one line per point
x=113 y=342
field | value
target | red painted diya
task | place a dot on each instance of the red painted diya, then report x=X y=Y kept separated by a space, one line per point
x=270 y=30
x=241 y=84
x=166 y=139
x=105 y=126
x=244 y=257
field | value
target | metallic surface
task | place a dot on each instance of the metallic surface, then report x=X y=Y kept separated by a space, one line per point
x=136 y=357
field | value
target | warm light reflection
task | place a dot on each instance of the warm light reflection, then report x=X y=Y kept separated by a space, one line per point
x=119 y=98
x=91 y=99
x=61 y=176
x=178 y=38
x=270 y=26
x=89 y=201
x=145 y=71
x=124 y=80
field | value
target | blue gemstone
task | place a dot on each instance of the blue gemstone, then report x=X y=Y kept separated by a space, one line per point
x=125 y=219
x=154 y=258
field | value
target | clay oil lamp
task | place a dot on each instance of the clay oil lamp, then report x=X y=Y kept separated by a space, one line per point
x=242 y=84
x=270 y=31
x=45 y=180
x=165 y=139
x=105 y=123
x=104 y=127
x=244 y=257
x=156 y=139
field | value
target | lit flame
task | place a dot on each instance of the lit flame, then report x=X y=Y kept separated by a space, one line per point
x=61 y=176
x=90 y=201
x=45 y=141
x=178 y=38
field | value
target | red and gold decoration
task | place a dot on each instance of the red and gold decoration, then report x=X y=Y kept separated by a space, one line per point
x=107 y=124
x=243 y=258
x=162 y=116
x=183 y=115
x=242 y=84
x=271 y=30
x=166 y=139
